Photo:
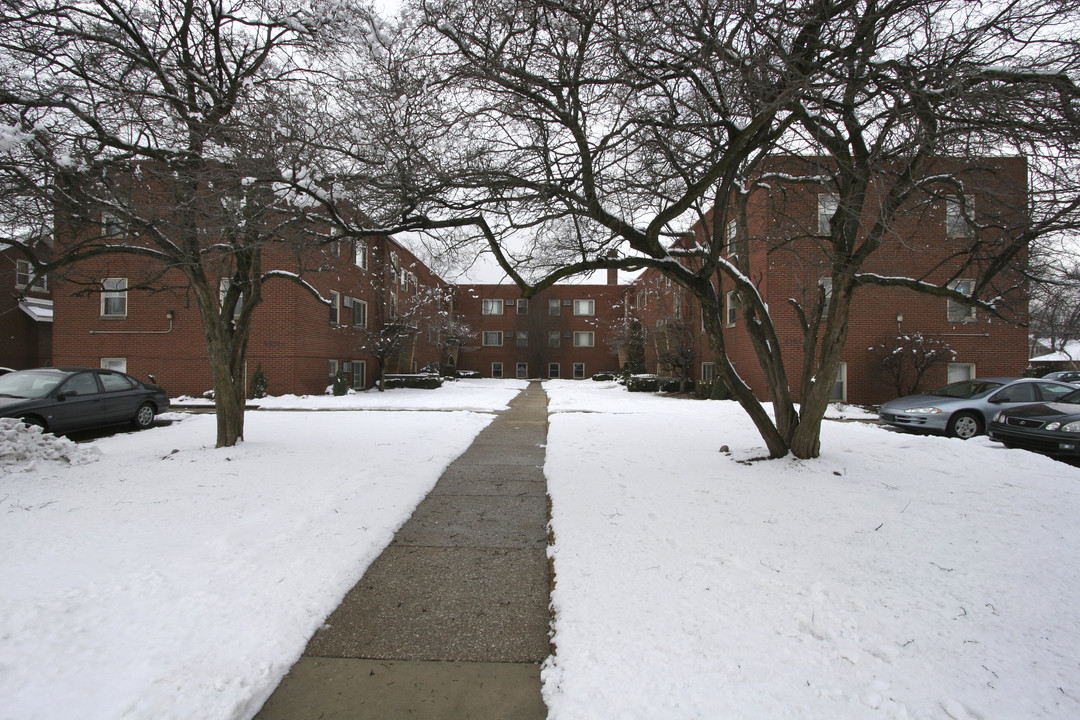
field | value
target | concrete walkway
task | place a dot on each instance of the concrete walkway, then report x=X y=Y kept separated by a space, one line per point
x=451 y=621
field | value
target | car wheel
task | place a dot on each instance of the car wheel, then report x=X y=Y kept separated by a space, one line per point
x=34 y=421
x=965 y=425
x=144 y=416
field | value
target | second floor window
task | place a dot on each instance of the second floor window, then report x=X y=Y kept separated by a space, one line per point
x=522 y=338
x=360 y=258
x=731 y=308
x=359 y=313
x=553 y=307
x=523 y=306
x=584 y=307
x=24 y=273
x=827 y=206
x=584 y=339
x=957 y=311
x=958 y=216
x=114 y=297
x=335 y=307
x=492 y=307
x=553 y=338
x=492 y=338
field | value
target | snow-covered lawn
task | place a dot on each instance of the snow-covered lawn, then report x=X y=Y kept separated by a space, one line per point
x=150 y=576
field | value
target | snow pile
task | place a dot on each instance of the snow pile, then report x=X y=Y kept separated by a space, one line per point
x=23 y=446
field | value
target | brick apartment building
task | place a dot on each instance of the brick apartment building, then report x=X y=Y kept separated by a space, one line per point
x=782 y=223
x=26 y=314
x=566 y=331
x=562 y=332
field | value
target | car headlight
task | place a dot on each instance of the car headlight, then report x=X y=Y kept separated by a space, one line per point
x=1053 y=426
x=923 y=411
x=1073 y=427
x=997 y=417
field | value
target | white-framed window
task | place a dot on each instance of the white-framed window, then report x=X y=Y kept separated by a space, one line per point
x=958 y=372
x=522 y=338
x=730 y=235
x=579 y=370
x=493 y=338
x=114 y=302
x=332 y=368
x=839 y=391
x=496 y=370
x=491 y=306
x=335 y=307
x=584 y=338
x=111 y=225
x=958 y=214
x=360 y=254
x=553 y=338
x=731 y=308
x=359 y=374
x=827 y=205
x=584 y=307
x=708 y=371
x=403 y=280
x=553 y=370
x=522 y=370
x=359 y=313
x=554 y=306
x=223 y=288
x=24 y=273
x=958 y=312
x=523 y=306
x=114 y=363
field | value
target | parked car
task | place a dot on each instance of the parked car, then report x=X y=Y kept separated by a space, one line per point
x=64 y=399
x=963 y=409
x=1069 y=376
x=1050 y=428
x=5 y=371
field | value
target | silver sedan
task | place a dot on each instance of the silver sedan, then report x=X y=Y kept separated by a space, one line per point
x=963 y=409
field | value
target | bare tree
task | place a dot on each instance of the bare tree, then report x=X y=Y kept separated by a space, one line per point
x=905 y=359
x=171 y=133
x=586 y=129
x=1055 y=309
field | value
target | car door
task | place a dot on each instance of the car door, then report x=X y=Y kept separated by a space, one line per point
x=122 y=396
x=79 y=403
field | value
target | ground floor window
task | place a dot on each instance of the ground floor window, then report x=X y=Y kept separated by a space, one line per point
x=359 y=374
x=118 y=364
x=708 y=371
x=839 y=391
x=496 y=370
x=579 y=370
x=961 y=371
x=522 y=370
x=553 y=370
x=333 y=368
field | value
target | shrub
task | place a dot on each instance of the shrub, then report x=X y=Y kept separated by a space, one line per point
x=341 y=385
x=259 y=385
x=604 y=376
x=419 y=382
x=654 y=383
x=715 y=389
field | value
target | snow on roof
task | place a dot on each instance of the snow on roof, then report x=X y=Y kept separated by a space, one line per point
x=1069 y=353
x=40 y=310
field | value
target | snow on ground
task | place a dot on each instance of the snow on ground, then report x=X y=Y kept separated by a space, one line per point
x=897 y=576
x=148 y=575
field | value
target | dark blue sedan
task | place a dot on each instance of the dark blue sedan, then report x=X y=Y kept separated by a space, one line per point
x=61 y=400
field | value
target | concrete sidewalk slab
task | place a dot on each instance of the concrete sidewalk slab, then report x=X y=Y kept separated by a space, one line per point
x=451 y=621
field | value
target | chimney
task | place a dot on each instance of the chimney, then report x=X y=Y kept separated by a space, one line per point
x=612 y=276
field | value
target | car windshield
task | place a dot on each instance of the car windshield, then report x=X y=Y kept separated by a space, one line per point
x=29 y=384
x=966 y=388
x=1072 y=398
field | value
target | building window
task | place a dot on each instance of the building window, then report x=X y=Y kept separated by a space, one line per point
x=827 y=205
x=554 y=307
x=553 y=339
x=957 y=311
x=111 y=226
x=958 y=213
x=333 y=370
x=360 y=258
x=553 y=370
x=584 y=307
x=522 y=338
x=584 y=338
x=114 y=297
x=493 y=338
x=825 y=284
x=522 y=370
x=708 y=371
x=579 y=370
x=359 y=374
x=492 y=307
x=359 y=313
x=223 y=289
x=730 y=235
x=335 y=307
x=731 y=308
x=496 y=370
x=523 y=306
x=958 y=372
x=839 y=391
x=24 y=273
x=118 y=364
